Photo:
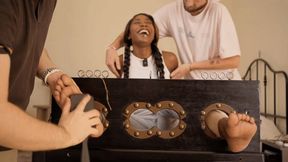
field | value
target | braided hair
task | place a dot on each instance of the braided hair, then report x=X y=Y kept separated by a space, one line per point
x=155 y=51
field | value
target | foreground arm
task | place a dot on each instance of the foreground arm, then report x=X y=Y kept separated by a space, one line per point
x=46 y=63
x=27 y=133
x=21 y=131
x=62 y=87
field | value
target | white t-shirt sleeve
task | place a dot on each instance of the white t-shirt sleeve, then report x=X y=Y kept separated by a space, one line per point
x=228 y=39
x=162 y=19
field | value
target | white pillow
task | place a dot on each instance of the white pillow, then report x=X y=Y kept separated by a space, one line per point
x=268 y=130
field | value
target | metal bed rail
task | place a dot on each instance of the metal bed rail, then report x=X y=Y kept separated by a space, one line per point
x=261 y=65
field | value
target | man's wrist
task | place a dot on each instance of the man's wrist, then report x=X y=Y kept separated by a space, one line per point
x=64 y=137
x=48 y=72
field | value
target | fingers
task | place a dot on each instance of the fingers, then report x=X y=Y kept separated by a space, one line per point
x=59 y=88
x=69 y=82
x=56 y=95
x=60 y=84
x=57 y=92
x=93 y=113
x=95 y=121
x=66 y=81
x=113 y=70
x=118 y=67
x=113 y=62
x=79 y=124
x=68 y=91
x=98 y=131
x=173 y=75
x=181 y=71
x=66 y=107
x=97 y=127
x=117 y=62
x=61 y=96
x=83 y=103
x=176 y=74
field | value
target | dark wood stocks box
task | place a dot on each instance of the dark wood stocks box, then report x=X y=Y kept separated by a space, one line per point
x=191 y=100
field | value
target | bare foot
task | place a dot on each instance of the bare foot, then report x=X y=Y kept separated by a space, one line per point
x=238 y=130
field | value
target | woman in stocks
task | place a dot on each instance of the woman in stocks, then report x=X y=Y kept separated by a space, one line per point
x=142 y=34
x=143 y=59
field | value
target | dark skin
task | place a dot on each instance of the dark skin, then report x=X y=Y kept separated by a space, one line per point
x=141 y=41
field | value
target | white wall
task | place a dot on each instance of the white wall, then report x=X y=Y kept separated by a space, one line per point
x=262 y=26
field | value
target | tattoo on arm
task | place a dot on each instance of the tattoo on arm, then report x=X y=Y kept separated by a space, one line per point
x=215 y=61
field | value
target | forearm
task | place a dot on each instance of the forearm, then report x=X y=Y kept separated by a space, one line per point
x=21 y=131
x=218 y=63
x=46 y=63
x=4 y=77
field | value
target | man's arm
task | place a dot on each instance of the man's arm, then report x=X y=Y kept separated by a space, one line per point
x=61 y=85
x=213 y=64
x=112 y=59
x=53 y=78
x=21 y=131
x=217 y=63
x=45 y=63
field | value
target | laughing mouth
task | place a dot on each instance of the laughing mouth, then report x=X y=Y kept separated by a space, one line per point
x=144 y=32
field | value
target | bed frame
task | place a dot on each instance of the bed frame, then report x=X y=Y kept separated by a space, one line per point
x=270 y=79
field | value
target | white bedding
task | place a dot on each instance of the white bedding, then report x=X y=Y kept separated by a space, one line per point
x=268 y=130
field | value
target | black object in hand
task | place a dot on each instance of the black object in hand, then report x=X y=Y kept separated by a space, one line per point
x=75 y=99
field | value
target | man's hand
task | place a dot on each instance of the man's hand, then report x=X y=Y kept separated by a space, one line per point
x=181 y=71
x=79 y=124
x=64 y=88
x=112 y=61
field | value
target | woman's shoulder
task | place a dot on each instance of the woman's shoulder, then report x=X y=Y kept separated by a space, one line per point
x=170 y=60
x=169 y=56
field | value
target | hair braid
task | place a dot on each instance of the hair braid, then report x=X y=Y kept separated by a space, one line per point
x=126 y=61
x=155 y=51
x=158 y=60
